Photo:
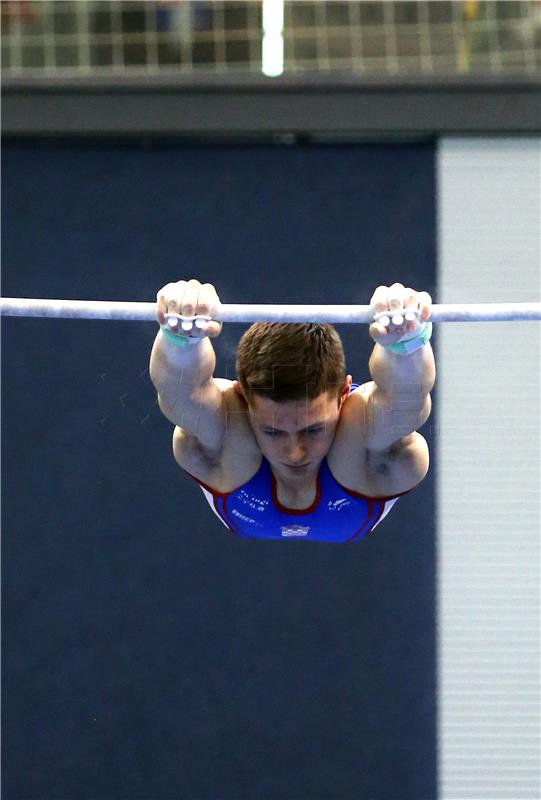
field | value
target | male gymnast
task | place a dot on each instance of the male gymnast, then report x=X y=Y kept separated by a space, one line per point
x=294 y=448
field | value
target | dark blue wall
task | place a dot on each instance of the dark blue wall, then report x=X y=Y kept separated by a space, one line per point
x=148 y=654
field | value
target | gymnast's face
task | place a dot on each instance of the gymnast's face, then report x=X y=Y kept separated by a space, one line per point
x=295 y=435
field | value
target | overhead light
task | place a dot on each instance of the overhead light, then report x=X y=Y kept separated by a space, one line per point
x=273 y=38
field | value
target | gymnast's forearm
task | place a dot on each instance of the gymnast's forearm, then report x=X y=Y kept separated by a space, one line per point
x=179 y=372
x=398 y=375
x=400 y=402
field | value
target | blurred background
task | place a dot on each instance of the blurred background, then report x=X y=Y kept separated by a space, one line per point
x=408 y=37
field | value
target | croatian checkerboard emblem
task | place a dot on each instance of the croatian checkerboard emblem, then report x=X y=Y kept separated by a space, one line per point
x=294 y=530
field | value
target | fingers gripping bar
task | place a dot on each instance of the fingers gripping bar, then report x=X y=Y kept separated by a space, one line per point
x=398 y=316
x=186 y=323
x=201 y=320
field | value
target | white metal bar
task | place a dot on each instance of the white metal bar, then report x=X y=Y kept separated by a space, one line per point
x=248 y=312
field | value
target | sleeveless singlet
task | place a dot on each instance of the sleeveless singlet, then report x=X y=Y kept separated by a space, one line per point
x=337 y=514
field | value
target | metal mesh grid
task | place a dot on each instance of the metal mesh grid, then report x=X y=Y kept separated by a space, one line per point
x=118 y=37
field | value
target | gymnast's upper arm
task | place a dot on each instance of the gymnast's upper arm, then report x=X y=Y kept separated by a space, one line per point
x=202 y=418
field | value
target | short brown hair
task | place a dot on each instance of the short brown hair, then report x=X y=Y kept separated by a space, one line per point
x=290 y=361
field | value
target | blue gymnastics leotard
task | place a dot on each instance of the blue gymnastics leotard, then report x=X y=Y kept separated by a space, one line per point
x=337 y=514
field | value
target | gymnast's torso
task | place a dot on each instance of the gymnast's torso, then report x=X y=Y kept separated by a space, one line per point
x=347 y=499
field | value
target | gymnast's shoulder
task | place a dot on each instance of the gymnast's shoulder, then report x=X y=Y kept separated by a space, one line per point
x=205 y=455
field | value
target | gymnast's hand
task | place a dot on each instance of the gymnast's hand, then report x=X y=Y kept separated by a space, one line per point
x=190 y=298
x=398 y=300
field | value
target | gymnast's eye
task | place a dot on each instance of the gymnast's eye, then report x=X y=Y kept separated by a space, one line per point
x=308 y=430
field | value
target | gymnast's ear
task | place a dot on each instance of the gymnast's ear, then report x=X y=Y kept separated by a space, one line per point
x=239 y=392
x=346 y=387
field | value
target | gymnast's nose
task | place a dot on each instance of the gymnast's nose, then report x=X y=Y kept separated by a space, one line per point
x=295 y=453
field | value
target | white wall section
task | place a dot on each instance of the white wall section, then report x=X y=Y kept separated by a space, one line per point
x=488 y=467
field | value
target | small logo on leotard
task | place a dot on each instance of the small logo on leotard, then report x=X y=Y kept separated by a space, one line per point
x=334 y=505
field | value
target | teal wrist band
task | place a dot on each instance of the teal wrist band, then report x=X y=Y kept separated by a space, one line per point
x=178 y=339
x=411 y=345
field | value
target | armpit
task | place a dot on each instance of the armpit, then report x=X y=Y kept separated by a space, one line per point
x=188 y=451
x=401 y=467
x=377 y=463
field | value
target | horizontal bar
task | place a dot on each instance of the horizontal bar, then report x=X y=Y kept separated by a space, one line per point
x=248 y=312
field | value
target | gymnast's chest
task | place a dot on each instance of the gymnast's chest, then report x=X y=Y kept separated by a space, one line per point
x=255 y=512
